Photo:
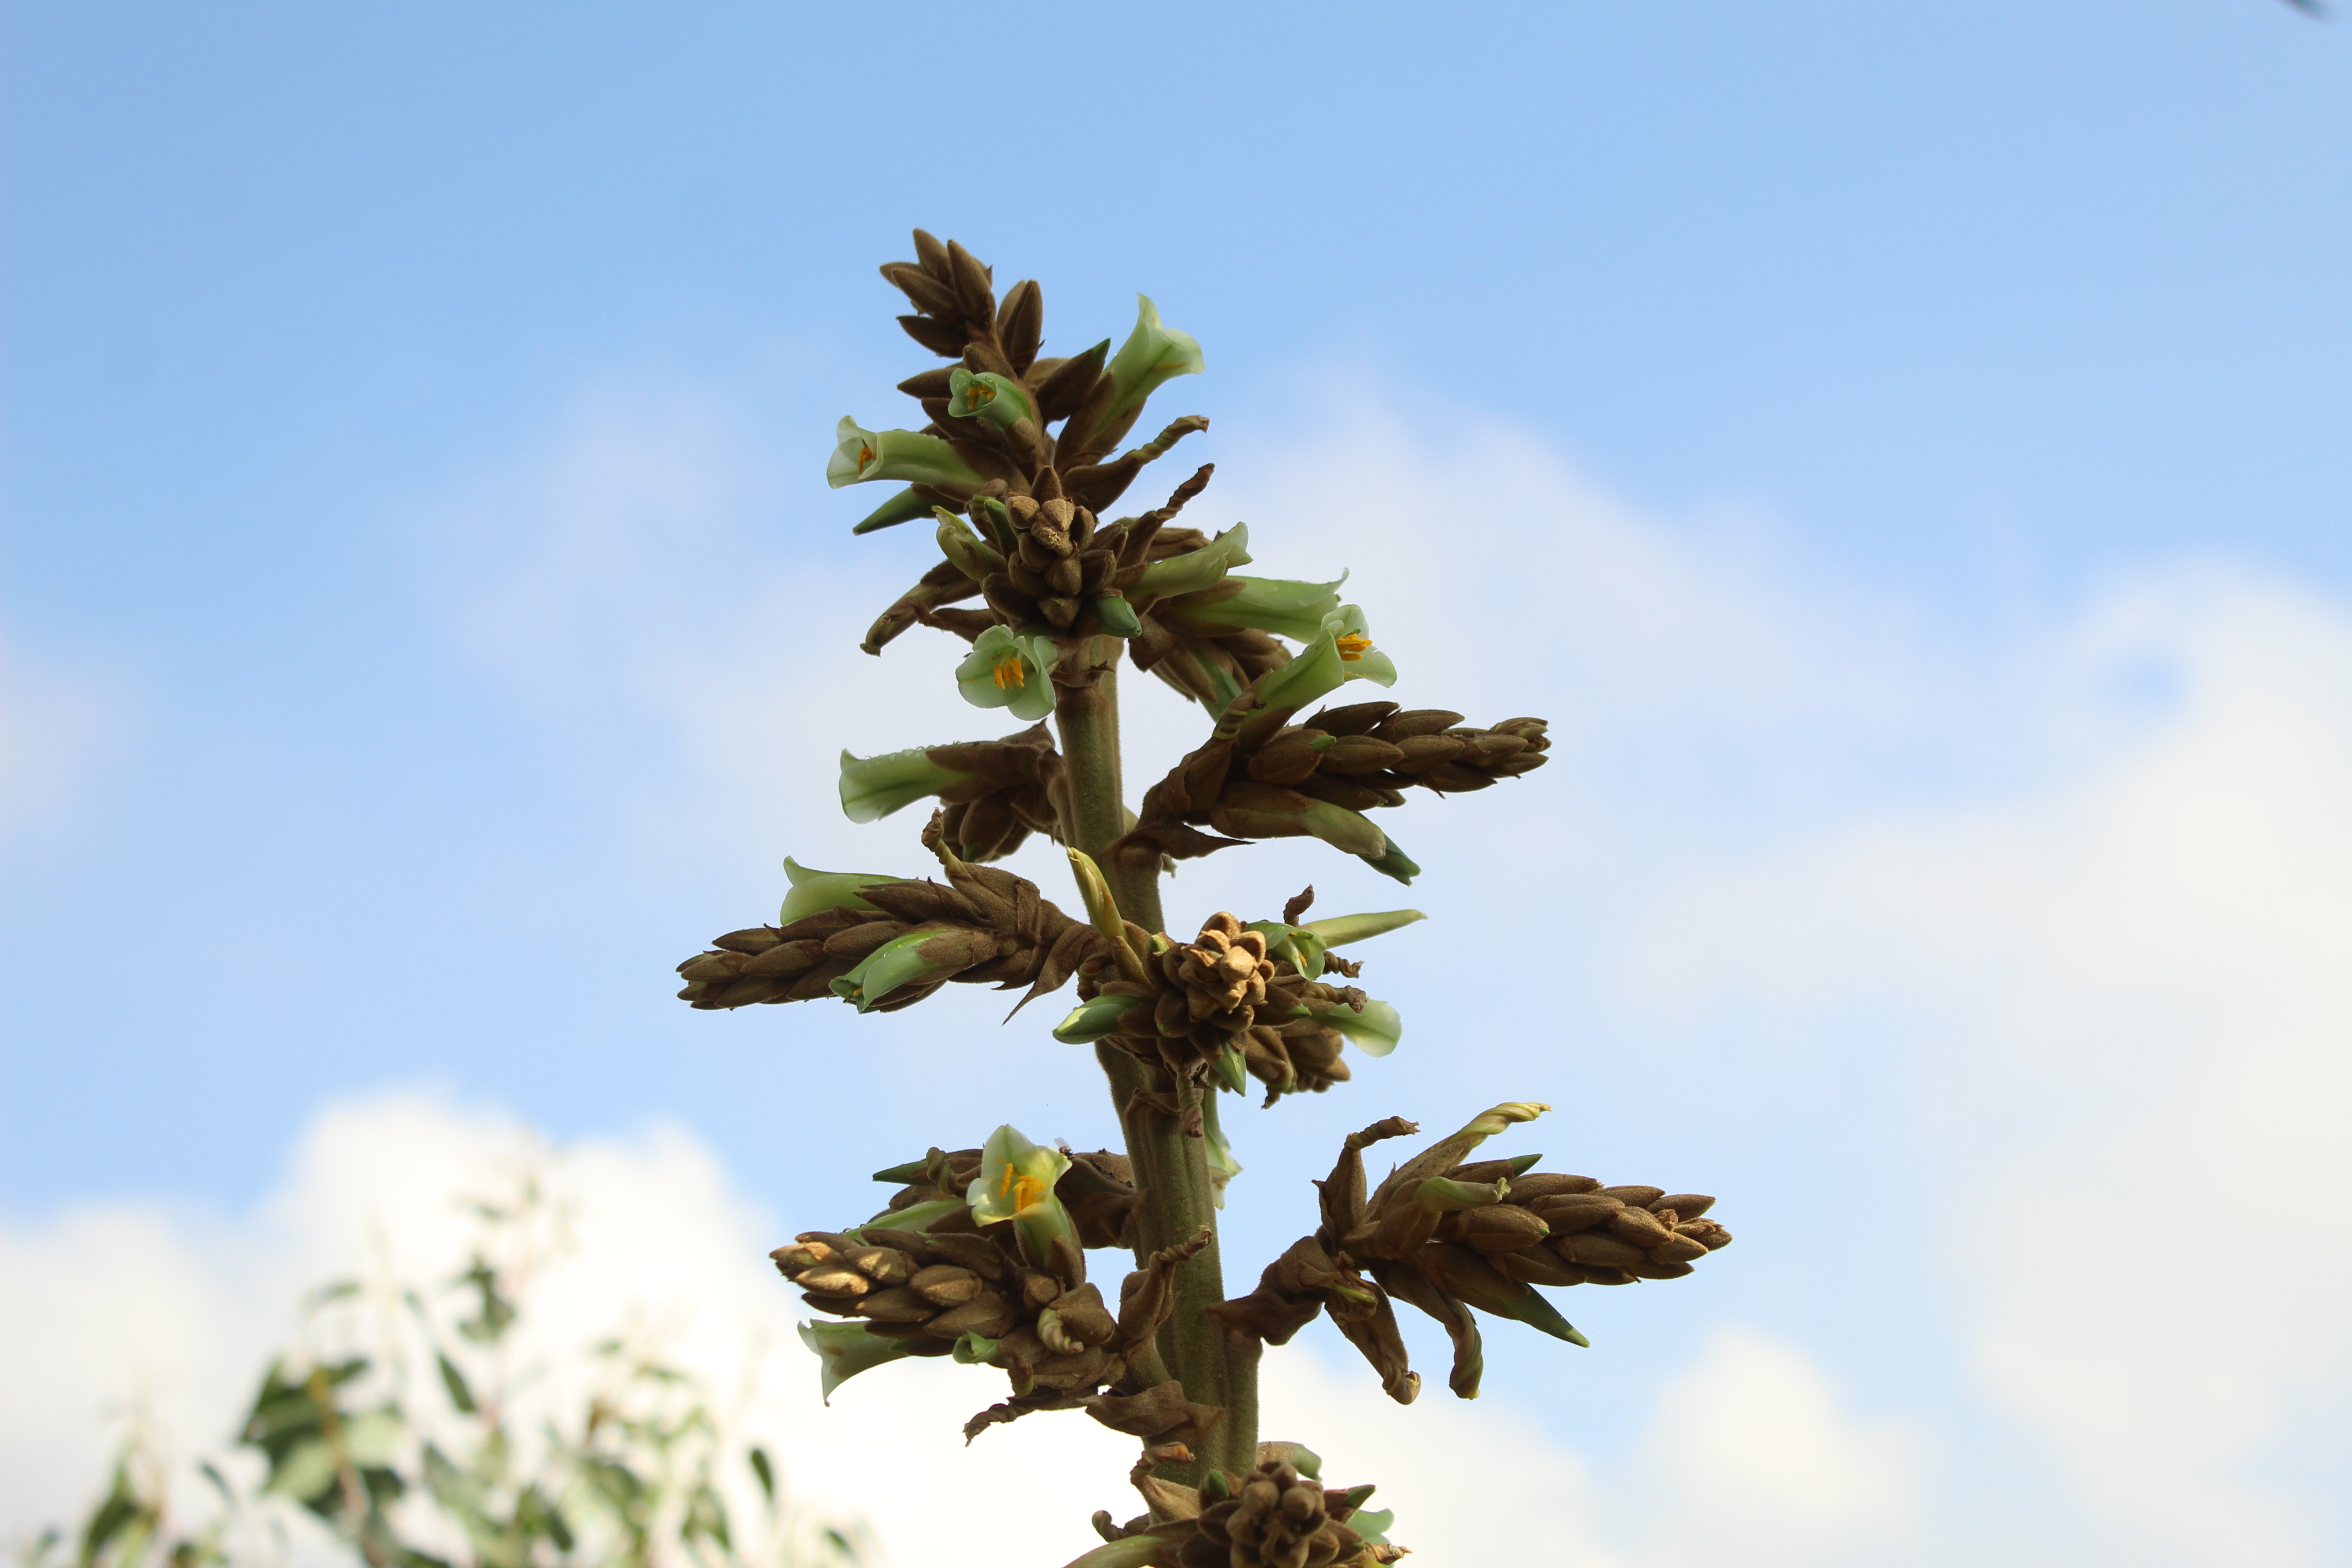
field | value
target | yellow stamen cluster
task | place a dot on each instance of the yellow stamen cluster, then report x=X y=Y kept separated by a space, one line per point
x=865 y=456
x=1026 y=1192
x=1354 y=645
x=1010 y=674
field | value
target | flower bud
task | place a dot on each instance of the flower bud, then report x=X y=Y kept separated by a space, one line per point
x=904 y=506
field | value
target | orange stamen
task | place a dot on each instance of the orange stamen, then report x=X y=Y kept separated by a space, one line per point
x=1354 y=645
x=1010 y=674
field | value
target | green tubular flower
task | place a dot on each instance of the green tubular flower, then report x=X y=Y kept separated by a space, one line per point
x=1010 y=669
x=1278 y=605
x=996 y=398
x=861 y=455
x=1343 y=829
x=898 y=962
x=1197 y=569
x=904 y=506
x=1017 y=1183
x=1375 y=1031
x=844 y=1350
x=1152 y=356
x=1315 y=674
x=815 y=891
x=874 y=787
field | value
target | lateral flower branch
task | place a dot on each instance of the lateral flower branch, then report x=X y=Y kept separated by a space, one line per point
x=981 y=1255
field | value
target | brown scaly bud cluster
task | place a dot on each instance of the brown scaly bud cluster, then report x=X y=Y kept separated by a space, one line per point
x=1448 y=1236
x=1278 y=1515
x=985 y=926
x=1017 y=787
x=1223 y=992
x=1259 y=777
x=970 y=1292
x=958 y=317
x=1099 y=1190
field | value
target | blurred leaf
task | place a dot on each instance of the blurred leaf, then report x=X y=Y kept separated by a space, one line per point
x=766 y=1471
x=307 y=1471
x=372 y=1439
x=460 y=1394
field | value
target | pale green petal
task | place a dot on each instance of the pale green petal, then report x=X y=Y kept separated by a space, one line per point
x=1197 y=569
x=1152 y=356
x=844 y=1350
x=874 y=787
x=815 y=891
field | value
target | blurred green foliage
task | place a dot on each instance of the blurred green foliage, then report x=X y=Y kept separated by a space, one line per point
x=394 y=1432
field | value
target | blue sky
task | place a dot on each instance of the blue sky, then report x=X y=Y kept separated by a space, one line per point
x=1904 y=447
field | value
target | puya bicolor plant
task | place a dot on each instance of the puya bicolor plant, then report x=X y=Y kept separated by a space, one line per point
x=981 y=1255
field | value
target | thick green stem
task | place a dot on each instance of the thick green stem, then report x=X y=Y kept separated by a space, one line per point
x=1172 y=1169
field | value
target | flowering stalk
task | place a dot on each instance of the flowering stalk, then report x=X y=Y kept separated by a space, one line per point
x=982 y=1254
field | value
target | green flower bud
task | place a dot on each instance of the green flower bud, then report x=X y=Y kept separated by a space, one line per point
x=1442 y=1194
x=1091 y=1021
x=861 y=455
x=1297 y=946
x=973 y=556
x=1341 y=930
x=1375 y=1031
x=874 y=787
x=1198 y=569
x=1393 y=862
x=844 y=1350
x=815 y=891
x=1017 y=1183
x=916 y=1216
x=1152 y=356
x=898 y=962
x=1223 y=1166
x=973 y=1350
x=904 y=506
x=1278 y=605
x=998 y=399
x=1010 y=669
x=1116 y=617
